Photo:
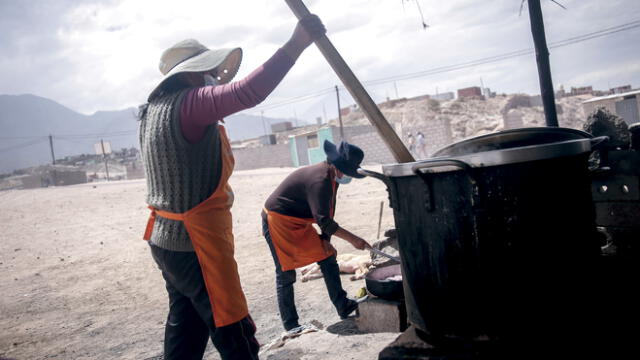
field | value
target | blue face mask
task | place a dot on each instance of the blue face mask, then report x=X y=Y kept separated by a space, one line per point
x=210 y=80
x=345 y=179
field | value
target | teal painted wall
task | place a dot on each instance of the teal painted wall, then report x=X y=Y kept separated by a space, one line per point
x=317 y=154
x=294 y=152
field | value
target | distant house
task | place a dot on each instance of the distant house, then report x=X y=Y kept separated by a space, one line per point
x=347 y=110
x=469 y=92
x=281 y=126
x=585 y=90
x=54 y=175
x=620 y=89
x=307 y=148
x=134 y=170
x=420 y=98
x=269 y=139
x=444 y=96
x=626 y=105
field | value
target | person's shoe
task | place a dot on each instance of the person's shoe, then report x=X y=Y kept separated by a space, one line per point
x=293 y=328
x=296 y=329
x=352 y=306
x=301 y=328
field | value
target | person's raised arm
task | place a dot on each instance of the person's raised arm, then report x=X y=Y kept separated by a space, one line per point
x=206 y=105
x=308 y=29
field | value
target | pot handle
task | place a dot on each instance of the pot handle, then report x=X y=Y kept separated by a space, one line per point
x=373 y=174
x=382 y=178
x=429 y=202
x=439 y=163
x=599 y=144
x=599 y=141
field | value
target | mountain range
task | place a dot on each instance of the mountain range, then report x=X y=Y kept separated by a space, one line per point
x=27 y=122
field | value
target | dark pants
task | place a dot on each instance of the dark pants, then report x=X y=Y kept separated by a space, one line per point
x=190 y=322
x=286 y=279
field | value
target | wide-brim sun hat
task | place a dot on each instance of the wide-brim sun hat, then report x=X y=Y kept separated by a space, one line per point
x=346 y=157
x=191 y=56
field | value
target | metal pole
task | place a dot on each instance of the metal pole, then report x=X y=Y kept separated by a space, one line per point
x=104 y=156
x=324 y=114
x=53 y=157
x=339 y=114
x=542 y=58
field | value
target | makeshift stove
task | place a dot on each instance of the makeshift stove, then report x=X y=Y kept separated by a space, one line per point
x=383 y=310
x=501 y=252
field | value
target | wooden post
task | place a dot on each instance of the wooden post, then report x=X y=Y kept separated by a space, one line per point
x=53 y=157
x=357 y=91
x=104 y=156
x=542 y=58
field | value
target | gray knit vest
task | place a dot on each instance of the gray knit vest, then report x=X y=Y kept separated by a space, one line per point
x=179 y=175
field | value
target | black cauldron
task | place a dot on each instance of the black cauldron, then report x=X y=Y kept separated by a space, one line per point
x=497 y=236
x=378 y=284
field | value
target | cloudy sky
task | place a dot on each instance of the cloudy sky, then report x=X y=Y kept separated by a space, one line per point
x=92 y=55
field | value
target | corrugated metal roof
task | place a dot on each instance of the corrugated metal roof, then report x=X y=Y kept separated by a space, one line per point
x=632 y=92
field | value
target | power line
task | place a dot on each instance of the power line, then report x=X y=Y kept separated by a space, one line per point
x=463 y=65
x=75 y=136
x=25 y=144
x=20 y=137
x=111 y=134
x=509 y=55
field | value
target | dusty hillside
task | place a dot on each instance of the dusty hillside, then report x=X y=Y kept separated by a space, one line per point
x=471 y=117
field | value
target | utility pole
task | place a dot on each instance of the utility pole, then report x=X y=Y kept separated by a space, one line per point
x=104 y=156
x=324 y=112
x=53 y=157
x=542 y=58
x=264 y=127
x=395 y=85
x=295 y=116
x=339 y=114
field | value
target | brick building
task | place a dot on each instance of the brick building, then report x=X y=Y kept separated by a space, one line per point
x=469 y=92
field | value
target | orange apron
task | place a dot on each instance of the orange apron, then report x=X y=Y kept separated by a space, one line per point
x=296 y=242
x=209 y=226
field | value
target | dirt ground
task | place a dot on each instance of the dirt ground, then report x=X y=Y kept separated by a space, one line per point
x=78 y=282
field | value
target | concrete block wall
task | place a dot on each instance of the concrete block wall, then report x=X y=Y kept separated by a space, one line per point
x=277 y=155
x=437 y=133
x=375 y=149
x=352 y=131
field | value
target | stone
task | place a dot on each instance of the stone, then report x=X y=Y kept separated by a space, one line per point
x=379 y=315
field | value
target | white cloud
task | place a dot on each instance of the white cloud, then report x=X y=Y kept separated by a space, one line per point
x=102 y=55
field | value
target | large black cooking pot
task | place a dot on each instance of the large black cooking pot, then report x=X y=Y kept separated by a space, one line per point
x=497 y=243
x=381 y=282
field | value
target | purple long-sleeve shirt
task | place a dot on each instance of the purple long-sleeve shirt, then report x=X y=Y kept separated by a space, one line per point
x=204 y=106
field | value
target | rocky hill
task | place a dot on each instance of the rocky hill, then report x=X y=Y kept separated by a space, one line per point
x=26 y=121
x=470 y=117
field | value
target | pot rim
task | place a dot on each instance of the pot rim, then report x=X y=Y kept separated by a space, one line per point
x=492 y=158
x=505 y=139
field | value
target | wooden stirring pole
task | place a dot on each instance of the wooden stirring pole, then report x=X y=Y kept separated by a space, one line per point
x=357 y=91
